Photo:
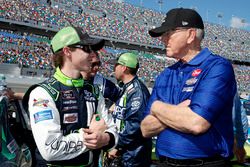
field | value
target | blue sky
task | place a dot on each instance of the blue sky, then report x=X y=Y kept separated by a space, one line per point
x=234 y=13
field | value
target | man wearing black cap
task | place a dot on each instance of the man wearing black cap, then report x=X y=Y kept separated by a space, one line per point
x=190 y=109
x=62 y=109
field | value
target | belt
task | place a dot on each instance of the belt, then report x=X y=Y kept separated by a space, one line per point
x=196 y=161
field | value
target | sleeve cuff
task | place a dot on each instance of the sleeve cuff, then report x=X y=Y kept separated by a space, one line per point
x=111 y=141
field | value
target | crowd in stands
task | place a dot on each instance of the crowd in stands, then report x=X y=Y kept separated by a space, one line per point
x=242 y=74
x=139 y=14
x=110 y=19
x=123 y=22
x=31 y=50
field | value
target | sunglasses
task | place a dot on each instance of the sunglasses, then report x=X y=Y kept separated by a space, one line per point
x=94 y=64
x=85 y=48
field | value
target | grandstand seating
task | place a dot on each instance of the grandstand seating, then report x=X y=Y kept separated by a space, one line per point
x=110 y=20
x=11 y=69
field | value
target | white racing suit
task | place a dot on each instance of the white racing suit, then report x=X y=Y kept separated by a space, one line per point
x=58 y=113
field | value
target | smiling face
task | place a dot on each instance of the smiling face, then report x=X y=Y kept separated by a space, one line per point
x=95 y=64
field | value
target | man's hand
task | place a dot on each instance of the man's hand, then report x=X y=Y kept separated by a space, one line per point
x=97 y=124
x=12 y=95
x=185 y=103
x=95 y=139
x=113 y=153
x=9 y=93
x=240 y=153
x=151 y=126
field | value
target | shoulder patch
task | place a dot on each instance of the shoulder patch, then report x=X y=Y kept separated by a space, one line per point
x=43 y=115
x=40 y=102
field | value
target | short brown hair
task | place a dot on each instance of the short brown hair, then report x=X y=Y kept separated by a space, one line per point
x=57 y=58
x=132 y=71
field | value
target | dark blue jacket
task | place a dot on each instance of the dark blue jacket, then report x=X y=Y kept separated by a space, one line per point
x=128 y=114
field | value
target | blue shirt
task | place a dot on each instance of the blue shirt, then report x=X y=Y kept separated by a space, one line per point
x=240 y=122
x=208 y=81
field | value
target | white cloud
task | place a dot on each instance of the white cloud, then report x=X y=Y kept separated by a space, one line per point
x=237 y=22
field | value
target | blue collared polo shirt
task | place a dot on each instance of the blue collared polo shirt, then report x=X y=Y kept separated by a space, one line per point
x=208 y=81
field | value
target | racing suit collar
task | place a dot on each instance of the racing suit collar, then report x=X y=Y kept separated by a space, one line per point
x=127 y=84
x=66 y=80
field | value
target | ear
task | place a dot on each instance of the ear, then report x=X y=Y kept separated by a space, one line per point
x=67 y=52
x=124 y=68
x=191 y=35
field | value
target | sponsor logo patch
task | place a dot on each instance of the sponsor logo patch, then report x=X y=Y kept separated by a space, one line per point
x=40 y=103
x=196 y=72
x=70 y=147
x=119 y=112
x=68 y=94
x=188 y=89
x=89 y=96
x=191 y=81
x=70 y=118
x=43 y=115
x=135 y=105
x=136 y=98
x=70 y=102
x=69 y=108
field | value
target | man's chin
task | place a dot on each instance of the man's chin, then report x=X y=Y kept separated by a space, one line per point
x=92 y=74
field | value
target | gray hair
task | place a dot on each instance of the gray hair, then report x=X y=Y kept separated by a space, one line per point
x=200 y=33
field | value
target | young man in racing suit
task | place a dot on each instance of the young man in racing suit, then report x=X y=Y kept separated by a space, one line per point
x=135 y=150
x=63 y=109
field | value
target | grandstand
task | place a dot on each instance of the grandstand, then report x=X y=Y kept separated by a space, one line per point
x=27 y=26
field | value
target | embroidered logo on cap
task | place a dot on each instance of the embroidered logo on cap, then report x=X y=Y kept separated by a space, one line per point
x=184 y=23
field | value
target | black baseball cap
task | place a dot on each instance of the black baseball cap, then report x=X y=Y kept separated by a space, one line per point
x=74 y=36
x=178 y=17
